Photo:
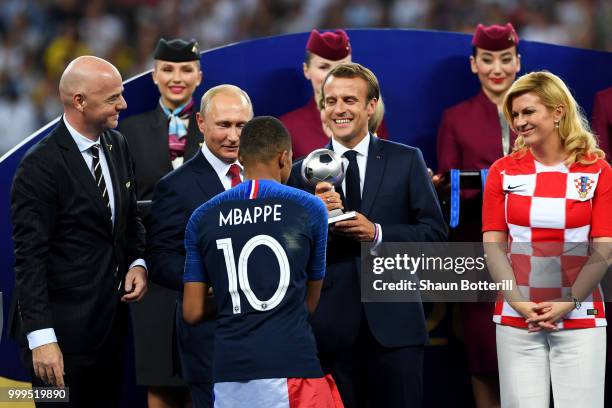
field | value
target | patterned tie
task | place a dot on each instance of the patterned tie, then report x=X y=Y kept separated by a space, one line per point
x=353 y=191
x=97 y=170
x=234 y=173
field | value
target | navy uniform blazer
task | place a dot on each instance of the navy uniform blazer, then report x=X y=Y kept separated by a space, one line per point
x=147 y=135
x=175 y=198
x=398 y=195
x=70 y=259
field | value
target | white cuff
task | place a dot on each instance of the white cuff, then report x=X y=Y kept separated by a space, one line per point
x=41 y=337
x=377 y=240
x=139 y=262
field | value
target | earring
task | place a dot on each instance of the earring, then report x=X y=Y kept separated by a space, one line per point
x=556 y=125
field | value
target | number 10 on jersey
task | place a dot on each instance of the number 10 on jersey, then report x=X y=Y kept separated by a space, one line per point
x=240 y=277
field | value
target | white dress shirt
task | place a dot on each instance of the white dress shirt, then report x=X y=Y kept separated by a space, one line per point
x=362 y=162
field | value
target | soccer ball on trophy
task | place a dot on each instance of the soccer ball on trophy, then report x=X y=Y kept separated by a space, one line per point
x=326 y=165
x=322 y=165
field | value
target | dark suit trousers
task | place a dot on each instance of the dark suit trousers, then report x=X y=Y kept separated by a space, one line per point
x=95 y=379
x=369 y=375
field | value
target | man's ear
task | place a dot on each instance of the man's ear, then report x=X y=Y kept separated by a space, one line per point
x=78 y=101
x=371 y=107
x=200 y=121
x=284 y=159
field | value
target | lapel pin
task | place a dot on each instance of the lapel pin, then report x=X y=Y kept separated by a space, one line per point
x=110 y=147
x=127 y=184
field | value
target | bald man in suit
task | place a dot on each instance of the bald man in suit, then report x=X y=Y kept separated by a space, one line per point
x=78 y=242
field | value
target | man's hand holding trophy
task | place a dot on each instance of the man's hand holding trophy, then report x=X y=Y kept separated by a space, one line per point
x=323 y=170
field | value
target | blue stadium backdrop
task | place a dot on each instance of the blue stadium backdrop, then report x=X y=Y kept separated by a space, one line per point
x=421 y=74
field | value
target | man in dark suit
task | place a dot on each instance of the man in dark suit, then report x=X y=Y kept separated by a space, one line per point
x=160 y=140
x=224 y=110
x=373 y=350
x=78 y=241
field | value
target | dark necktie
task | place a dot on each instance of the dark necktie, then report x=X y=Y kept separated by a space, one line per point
x=234 y=173
x=353 y=192
x=97 y=170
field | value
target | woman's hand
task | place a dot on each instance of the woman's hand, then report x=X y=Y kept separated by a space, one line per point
x=549 y=313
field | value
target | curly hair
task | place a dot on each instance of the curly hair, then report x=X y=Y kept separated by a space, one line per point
x=574 y=131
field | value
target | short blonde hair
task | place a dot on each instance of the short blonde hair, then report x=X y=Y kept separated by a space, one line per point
x=224 y=88
x=574 y=131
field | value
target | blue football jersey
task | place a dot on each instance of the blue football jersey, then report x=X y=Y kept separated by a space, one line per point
x=257 y=245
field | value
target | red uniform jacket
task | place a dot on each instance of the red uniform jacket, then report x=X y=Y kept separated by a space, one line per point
x=469 y=137
x=304 y=125
x=602 y=120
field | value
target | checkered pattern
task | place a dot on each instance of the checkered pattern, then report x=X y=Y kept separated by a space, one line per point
x=550 y=213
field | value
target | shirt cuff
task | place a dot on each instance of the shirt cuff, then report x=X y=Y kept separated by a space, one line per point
x=41 y=337
x=139 y=262
x=377 y=239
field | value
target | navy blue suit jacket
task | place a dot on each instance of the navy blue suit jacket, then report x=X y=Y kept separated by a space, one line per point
x=175 y=198
x=398 y=195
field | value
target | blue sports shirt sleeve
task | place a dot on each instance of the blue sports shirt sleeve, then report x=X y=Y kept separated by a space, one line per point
x=318 y=211
x=194 y=266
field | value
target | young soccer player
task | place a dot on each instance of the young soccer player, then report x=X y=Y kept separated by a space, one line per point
x=261 y=247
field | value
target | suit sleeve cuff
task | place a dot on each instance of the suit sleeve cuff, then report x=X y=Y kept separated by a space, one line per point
x=41 y=337
x=139 y=262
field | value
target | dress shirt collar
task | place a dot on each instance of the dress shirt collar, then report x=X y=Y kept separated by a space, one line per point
x=361 y=148
x=83 y=143
x=220 y=167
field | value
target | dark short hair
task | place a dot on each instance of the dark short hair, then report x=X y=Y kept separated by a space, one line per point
x=355 y=70
x=262 y=138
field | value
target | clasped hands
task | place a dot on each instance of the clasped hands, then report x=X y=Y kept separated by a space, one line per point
x=543 y=315
x=358 y=228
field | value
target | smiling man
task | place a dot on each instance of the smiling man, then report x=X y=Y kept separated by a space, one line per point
x=373 y=350
x=324 y=50
x=224 y=110
x=78 y=242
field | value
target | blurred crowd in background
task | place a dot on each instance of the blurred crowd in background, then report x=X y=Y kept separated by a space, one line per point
x=38 y=37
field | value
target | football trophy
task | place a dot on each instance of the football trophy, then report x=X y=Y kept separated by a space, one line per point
x=326 y=165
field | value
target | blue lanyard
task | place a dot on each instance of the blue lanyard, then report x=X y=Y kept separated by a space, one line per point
x=454 y=198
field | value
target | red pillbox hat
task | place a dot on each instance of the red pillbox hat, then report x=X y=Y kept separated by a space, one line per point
x=329 y=45
x=495 y=37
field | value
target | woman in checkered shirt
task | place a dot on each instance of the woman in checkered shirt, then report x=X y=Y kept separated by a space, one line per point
x=543 y=205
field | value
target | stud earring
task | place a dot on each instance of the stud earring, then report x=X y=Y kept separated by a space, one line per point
x=556 y=125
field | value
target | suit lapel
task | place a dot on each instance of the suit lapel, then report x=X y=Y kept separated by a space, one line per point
x=77 y=166
x=111 y=160
x=374 y=175
x=208 y=181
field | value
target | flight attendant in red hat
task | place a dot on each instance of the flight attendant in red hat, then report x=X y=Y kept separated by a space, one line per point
x=323 y=52
x=472 y=135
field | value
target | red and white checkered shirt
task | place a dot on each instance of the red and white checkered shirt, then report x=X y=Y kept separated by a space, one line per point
x=539 y=206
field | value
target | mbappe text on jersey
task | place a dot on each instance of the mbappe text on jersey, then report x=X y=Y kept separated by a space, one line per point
x=239 y=216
